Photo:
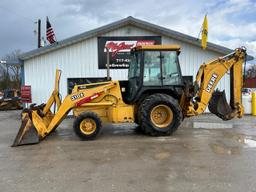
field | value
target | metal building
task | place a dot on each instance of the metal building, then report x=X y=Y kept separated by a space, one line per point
x=79 y=56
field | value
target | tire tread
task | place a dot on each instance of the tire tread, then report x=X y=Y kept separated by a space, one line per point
x=144 y=111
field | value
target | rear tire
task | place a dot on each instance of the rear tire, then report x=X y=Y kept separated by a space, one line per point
x=87 y=125
x=160 y=115
x=137 y=120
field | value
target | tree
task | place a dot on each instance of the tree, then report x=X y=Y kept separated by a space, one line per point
x=10 y=72
x=16 y=70
x=5 y=80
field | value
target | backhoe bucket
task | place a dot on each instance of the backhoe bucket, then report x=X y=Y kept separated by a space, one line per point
x=27 y=133
x=219 y=106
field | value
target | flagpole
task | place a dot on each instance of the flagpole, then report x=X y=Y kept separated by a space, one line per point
x=199 y=32
x=39 y=33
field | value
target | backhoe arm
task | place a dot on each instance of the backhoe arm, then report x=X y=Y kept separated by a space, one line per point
x=207 y=78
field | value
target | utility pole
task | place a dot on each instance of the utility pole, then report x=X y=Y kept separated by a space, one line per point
x=39 y=33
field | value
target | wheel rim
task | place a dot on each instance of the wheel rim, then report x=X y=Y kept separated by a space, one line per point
x=161 y=116
x=88 y=126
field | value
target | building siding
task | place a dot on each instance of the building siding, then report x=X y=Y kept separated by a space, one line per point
x=81 y=60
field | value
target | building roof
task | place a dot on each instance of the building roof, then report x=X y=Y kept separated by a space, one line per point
x=121 y=23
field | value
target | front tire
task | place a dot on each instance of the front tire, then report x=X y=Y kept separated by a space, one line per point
x=87 y=125
x=160 y=115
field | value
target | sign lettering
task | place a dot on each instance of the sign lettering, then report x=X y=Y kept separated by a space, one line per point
x=211 y=82
x=25 y=94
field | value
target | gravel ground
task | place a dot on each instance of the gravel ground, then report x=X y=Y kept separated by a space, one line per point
x=205 y=154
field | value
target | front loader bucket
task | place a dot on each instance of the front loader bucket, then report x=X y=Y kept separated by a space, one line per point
x=219 y=106
x=27 y=133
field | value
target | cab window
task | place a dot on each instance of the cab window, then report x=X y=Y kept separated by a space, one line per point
x=152 y=70
x=134 y=69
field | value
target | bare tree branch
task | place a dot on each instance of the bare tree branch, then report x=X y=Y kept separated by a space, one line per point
x=10 y=73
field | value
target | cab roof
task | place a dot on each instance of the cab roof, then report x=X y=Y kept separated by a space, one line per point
x=171 y=47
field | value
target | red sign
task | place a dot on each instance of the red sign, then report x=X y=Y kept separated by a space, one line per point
x=26 y=94
x=119 y=49
x=125 y=46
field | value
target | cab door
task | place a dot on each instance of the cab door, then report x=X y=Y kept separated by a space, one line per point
x=134 y=78
x=152 y=69
x=171 y=73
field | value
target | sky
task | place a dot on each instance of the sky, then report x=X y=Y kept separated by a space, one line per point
x=232 y=23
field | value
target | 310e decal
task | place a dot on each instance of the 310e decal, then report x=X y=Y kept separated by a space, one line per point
x=78 y=96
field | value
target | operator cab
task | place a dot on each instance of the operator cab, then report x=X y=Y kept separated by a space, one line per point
x=153 y=68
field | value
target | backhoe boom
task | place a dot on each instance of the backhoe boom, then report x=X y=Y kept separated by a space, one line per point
x=207 y=78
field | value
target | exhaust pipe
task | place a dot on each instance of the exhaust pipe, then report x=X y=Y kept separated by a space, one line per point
x=108 y=63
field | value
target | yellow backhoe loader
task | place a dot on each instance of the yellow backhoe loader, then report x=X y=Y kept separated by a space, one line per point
x=155 y=97
x=10 y=100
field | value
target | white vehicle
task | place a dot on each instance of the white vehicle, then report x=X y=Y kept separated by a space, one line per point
x=246 y=91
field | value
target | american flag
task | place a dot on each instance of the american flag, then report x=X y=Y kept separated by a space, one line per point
x=50 y=36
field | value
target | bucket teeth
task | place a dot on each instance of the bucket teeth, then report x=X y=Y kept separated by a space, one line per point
x=219 y=106
x=27 y=133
